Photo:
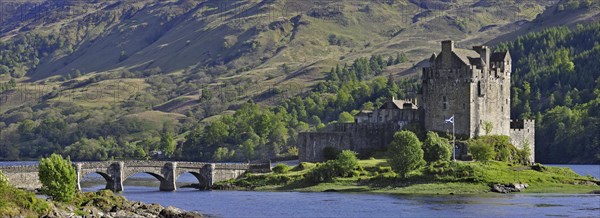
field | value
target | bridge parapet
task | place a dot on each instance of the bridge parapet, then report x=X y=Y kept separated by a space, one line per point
x=115 y=173
x=19 y=169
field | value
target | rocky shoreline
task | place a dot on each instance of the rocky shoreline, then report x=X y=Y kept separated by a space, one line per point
x=107 y=205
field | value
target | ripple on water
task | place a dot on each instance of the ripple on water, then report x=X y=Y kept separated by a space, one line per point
x=548 y=205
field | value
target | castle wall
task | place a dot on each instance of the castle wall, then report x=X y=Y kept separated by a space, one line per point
x=491 y=96
x=445 y=94
x=393 y=115
x=522 y=133
x=471 y=88
x=360 y=138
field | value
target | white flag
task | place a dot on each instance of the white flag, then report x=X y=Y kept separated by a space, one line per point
x=450 y=120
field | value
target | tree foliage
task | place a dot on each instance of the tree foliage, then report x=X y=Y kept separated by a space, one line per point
x=554 y=82
x=58 y=178
x=3 y=179
x=436 y=148
x=346 y=117
x=343 y=166
x=405 y=153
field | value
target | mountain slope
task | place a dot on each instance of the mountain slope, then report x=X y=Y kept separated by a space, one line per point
x=133 y=70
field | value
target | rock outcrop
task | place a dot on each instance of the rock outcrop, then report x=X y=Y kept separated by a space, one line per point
x=105 y=204
x=508 y=188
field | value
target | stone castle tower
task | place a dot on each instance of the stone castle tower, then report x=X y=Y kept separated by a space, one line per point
x=471 y=85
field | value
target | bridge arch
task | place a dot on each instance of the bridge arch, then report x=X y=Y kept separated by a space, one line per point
x=158 y=176
x=107 y=178
x=203 y=182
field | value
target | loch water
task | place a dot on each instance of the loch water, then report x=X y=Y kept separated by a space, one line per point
x=298 y=204
x=143 y=187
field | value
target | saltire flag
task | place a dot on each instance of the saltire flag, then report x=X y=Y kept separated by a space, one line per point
x=450 y=120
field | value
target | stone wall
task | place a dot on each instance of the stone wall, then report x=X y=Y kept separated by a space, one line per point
x=115 y=173
x=23 y=177
x=361 y=138
x=522 y=132
x=464 y=84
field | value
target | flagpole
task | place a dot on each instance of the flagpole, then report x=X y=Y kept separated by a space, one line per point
x=453 y=141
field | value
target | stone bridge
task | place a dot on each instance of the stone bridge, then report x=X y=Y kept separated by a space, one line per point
x=115 y=173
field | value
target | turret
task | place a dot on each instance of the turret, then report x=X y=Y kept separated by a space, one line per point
x=484 y=52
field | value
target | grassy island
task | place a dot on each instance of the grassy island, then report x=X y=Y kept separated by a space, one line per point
x=410 y=166
x=376 y=176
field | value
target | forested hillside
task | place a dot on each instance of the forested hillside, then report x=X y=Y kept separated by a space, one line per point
x=231 y=80
x=556 y=81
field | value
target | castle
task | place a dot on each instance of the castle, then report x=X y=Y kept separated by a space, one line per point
x=470 y=85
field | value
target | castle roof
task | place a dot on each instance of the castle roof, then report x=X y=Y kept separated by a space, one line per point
x=466 y=55
x=500 y=56
x=398 y=104
x=364 y=113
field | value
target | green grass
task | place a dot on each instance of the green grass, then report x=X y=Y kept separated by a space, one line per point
x=457 y=178
x=19 y=203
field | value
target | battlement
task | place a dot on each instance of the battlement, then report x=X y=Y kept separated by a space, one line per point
x=522 y=124
x=522 y=133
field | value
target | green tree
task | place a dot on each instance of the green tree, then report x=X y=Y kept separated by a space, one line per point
x=249 y=146
x=488 y=127
x=223 y=154
x=405 y=153
x=347 y=161
x=436 y=148
x=482 y=151
x=216 y=132
x=58 y=178
x=346 y=117
x=167 y=144
x=342 y=166
x=525 y=153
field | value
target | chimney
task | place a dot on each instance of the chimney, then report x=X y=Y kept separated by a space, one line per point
x=447 y=46
x=484 y=52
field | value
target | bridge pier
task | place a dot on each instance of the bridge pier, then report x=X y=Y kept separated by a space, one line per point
x=115 y=171
x=168 y=182
x=208 y=171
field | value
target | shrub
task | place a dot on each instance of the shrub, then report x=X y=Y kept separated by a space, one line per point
x=330 y=153
x=405 y=153
x=436 y=148
x=3 y=179
x=347 y=161
x=502 y=149
x=481 y=151
x=19 y=203
x=281 y=168
x=445 y=170
x=538 y=167
x=343 y=166
x=381 y=169
x=303 y=166
x=58 y=178
x=524 y=154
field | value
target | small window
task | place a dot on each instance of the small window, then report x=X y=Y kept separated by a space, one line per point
x=444 y=102
x=464 y=106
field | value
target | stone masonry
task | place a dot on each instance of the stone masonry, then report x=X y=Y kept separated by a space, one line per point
x=115 y=173
x=471 y=85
